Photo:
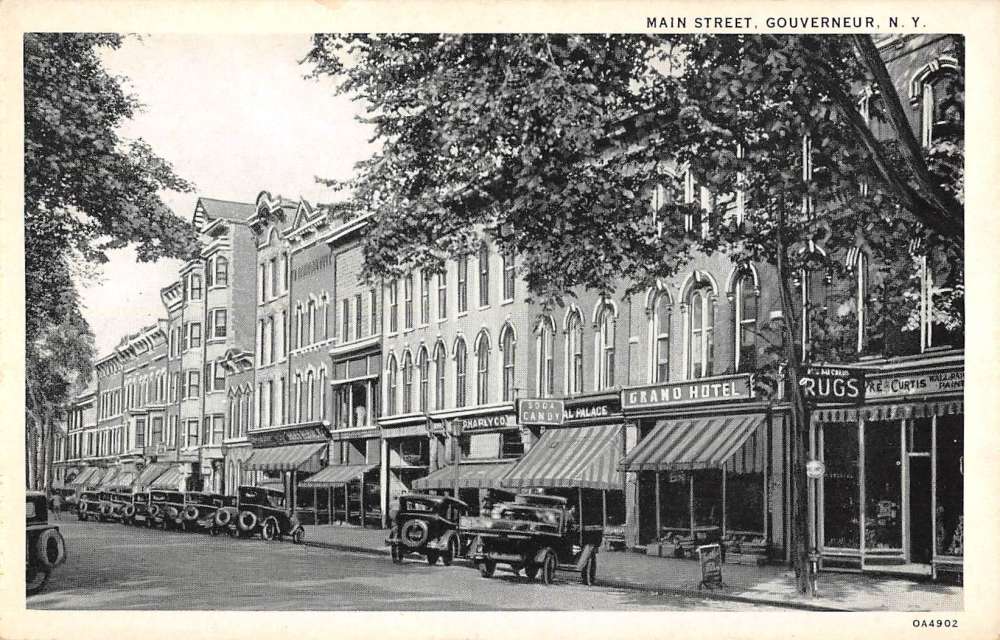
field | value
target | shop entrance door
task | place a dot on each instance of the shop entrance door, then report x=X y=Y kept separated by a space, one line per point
x=921 y=537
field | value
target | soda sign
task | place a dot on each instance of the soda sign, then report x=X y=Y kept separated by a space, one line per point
x=832 y=384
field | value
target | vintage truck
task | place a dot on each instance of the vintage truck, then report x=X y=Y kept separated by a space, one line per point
x=537 y=533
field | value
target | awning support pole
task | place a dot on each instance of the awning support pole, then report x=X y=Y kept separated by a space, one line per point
x=691 y=501
x=656 y=476
x=604 y=507
x=579 y=499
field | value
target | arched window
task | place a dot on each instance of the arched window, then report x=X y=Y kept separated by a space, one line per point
x=221 y=271
x=606 y=347
x=311 y=322
x=507 y=346
x=439 y=373
x=745 y=313
x=660 y=330
x=299 y=394
x=298 y=326
x=482 y=368
x=407 y=382
x=461 y=363
x=390 y=374
x=484 y=275
x=701 y=348
x=941 y=107
x=424 y=366
x=322 y=394
x=574 y=352
x=545 y=347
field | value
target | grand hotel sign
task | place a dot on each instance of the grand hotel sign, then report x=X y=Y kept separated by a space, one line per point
x=719 y=389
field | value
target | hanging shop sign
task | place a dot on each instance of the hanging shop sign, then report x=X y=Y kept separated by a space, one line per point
x=542 y=411
x=832 y=384
x=720 y=389
x=895 y=385
x=294 y=435
x=593 y=409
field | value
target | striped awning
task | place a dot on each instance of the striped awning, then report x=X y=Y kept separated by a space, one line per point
x=170 y=480
x=304 y=457
x=106 y=476
x=896 y=411
x=696 y=443
x=124 y=479
x=578 y=457
x=152 y=472
x=110 y=478
x=337 y=474
x=472 y=475
x=82 y=477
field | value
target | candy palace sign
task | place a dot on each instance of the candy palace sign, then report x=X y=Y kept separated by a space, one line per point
x=727 y=389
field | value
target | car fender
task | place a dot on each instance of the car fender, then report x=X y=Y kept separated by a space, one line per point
x=540 y=555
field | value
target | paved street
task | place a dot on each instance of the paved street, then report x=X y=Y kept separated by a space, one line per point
x=115 y=567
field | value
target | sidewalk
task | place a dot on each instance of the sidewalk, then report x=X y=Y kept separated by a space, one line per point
x=773 y=585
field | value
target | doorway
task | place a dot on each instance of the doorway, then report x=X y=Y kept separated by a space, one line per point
x=920 y=516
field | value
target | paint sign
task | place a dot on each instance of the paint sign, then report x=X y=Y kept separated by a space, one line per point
x=896 y=385
x=832 y=385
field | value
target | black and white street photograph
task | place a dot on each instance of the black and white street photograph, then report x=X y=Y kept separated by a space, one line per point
x=663 y=320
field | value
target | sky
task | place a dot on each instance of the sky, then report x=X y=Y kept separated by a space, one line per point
x=234 y=115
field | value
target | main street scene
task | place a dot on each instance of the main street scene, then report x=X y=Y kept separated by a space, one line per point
x=495 y=322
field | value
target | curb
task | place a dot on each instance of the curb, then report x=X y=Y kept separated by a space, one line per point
x=622 y=584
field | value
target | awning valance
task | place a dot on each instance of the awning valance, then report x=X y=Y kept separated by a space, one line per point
x=303 y=457
x=337 y=474
x=896 y=411
x=169 y=480
x=697 y=443
x=474 y=475
x=150 y=473
x=584 y=457
x=82 y=477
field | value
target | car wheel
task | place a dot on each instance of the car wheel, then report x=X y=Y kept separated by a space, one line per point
x=396 y=553
x=269 y=530
x=486 y=568
x=432 y=557
x=35 y=579
x=451 y=553
x=299 y=536
x=548 y=567
x=589 y=573
x=531 y=571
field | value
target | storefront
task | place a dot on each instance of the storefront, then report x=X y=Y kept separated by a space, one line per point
x=285 y=456
x=891 y=497
x=151 y=472
x=710 y=466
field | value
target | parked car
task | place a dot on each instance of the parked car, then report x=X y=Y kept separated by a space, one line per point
x=44 y=547
x=137 y=512
x=88 y=505
x=536 y=533
x=112 y=503
x=200 y=509
x=262 y=510
x=427 y=525
x=165 y=509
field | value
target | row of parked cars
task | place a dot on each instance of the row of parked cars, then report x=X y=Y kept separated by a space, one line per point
x=535 y=533
x=252 y=511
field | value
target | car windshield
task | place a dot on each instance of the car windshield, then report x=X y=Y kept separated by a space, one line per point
x=545 y=516
x=416 y=504
x=140 y=497
x=276 y=500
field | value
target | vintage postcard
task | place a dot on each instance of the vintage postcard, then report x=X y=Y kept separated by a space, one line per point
x=470 y=319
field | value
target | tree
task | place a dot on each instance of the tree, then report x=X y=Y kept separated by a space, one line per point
x=550 y=144
x=86 y=190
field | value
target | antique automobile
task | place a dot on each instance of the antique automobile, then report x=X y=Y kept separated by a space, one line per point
x=113 y=502
x=262 y=510
x=200 y=510
x=537 y=533
x=165 y=508
x=44 y=548
x=427 y=525
x=136 y=511
x=88 y=505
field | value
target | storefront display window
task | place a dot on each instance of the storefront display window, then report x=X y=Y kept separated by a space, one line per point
x=745 y=487
x=708 y=498
x=675 y=498
x=840 y=486
x=950 y=475
x=883 y=486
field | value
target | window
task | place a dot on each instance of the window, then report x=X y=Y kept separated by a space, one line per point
x=661 y=337
x=270 y=339
x=193 y=384
x=221 y=271
x=298 y=326
x=482 y=369
x=192 y=433
x=439 y=373
x=195 y=286
x=745 y=319
x=312 y=321
x=283 y=350
x=407 y=383
x=606 y=348
x=175 y=384
x=219 y=380
x=326 y=319
x=390 y=374
x=394 y=307
x=442 y=301
x=263 y=282
x=941 y=107
x=284 y=272
x=206 y=430
x=461 y=362
x=507 y=346
x=194 y=341
x=357 y=317
x=322 y=394
x=508 y=276
x=408 y=301
x=219 y=323
x=463 y=284
x=311 y=386
x=372 y=313
x=273 y=266
x=484 y=275
x=424 y=366
x=140 y=432
x=282 y=400
x=425 y=296
x=546 y=346
x=700 y=342
x=346 y=319
x=574 y=352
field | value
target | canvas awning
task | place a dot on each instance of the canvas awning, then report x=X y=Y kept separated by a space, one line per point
x=473 y=475
x=578 y=457
x=337 y=474
x=152 y=472
x=103 y=477
x=110 y=478
x=894 y=411
x=304 y=457
x=170 y=480
x=82 y=477
x=124 y=479
x=696 y=443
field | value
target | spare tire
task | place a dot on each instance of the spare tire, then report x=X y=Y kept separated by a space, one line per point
x=154 y=511
x=50 y=548
x=414 y=533
x=128 y=510
x=106 y=509
x=247 y=521
x=173 y=512
x=190 y=512
x=223 y=517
